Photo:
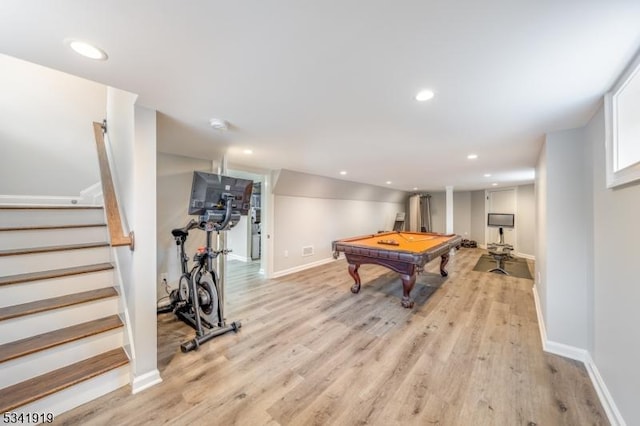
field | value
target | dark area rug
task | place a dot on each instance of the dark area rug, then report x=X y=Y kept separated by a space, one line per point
x=516 y=267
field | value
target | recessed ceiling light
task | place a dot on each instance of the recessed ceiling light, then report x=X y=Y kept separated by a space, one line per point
x=494 y=184
x=247 y=151
x=472 y=156
x=87 y=50
x=424 y=95
x=415 y=188
x=343 y=173
x=388 y=182
x=487 y=175
x=218 y=124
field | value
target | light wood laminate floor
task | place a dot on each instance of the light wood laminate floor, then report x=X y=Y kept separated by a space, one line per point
x=312 y=353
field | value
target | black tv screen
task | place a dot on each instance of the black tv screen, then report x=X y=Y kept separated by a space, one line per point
x=502 y=220
x=207 y=190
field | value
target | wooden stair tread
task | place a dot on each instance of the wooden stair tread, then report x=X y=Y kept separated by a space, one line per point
x=54 y=273
x=34 y=250
x=33 y=389
x=48 y=340
x=50 y=227
x=47 y=207
x=55 y=303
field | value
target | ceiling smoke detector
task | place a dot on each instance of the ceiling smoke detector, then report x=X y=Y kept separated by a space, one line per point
x=219 y=124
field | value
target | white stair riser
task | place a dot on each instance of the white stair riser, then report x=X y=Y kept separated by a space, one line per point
x=17 y=294
x=43 y=322
x=31 y=217
x=79 y=394
x=23 y=263
x=52 y=237
x=36 y=364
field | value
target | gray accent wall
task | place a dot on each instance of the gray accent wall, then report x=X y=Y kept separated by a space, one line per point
x=478 y=220
x=462 y=213
x=439 y=212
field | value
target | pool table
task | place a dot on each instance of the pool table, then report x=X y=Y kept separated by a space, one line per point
x=402 y=252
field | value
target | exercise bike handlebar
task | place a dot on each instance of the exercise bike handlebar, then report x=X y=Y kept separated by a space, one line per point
x=227 y=214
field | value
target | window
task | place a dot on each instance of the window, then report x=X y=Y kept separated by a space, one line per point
x=622 y=109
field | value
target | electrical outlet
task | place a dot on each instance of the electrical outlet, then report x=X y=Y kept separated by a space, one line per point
x=164 y=277
x=286 y=253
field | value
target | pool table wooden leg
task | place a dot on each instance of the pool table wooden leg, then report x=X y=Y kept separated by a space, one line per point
x=408 y=281
x=353 y=271
x=443 y=263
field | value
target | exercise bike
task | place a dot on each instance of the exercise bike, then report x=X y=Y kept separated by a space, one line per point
x=199 y=298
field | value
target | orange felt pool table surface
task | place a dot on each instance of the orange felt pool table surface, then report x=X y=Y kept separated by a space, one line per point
x=402 y=252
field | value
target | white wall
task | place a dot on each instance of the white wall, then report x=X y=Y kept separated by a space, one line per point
x=303 y=221
x=132 y=142
x=616 y=282
x=238 y=240
x=46 y=133
x=174 y=179
x=526 y=219
x=541 y=227
x=567 y=225
x=586 y=261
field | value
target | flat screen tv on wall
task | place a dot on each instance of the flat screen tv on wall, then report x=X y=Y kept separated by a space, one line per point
x=501 y=220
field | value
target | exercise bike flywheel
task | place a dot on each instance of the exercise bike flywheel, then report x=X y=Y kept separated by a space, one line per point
x=208 y=300
x=183 y=287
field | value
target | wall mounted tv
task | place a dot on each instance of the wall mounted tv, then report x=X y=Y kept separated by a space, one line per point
x=501 y=220
x=207 y=190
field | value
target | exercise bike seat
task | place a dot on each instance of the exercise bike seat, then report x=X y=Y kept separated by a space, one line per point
x=183 y=232
x=179 y=232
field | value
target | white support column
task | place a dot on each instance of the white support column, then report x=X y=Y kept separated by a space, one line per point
x=449 y=210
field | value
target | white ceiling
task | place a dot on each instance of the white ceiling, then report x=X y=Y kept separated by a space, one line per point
x=323 y=86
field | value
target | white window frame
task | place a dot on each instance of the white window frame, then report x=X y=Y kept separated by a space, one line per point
x=617 y=176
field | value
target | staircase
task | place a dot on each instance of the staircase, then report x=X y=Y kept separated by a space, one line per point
x=61 y=335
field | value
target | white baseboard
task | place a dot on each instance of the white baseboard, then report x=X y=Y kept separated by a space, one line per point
x=541 y=326
x=92 y=194
x=145 y=381
x=610 y=408
x=81 y=393
x=526 y=256
x=41 y=200
x=301 y=267
x=233 y=256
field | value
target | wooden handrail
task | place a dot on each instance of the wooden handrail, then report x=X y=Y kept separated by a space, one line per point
x=109 y=194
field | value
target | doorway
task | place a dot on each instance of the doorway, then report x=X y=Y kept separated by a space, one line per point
x=501 y=201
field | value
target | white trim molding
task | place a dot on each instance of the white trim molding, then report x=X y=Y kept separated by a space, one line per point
x=233 y=256
x=41 y=200
x=145 y=381
x=610 y=408
x=526 y=256
x=620 y=174
x=613 y=414
x=300 y=268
